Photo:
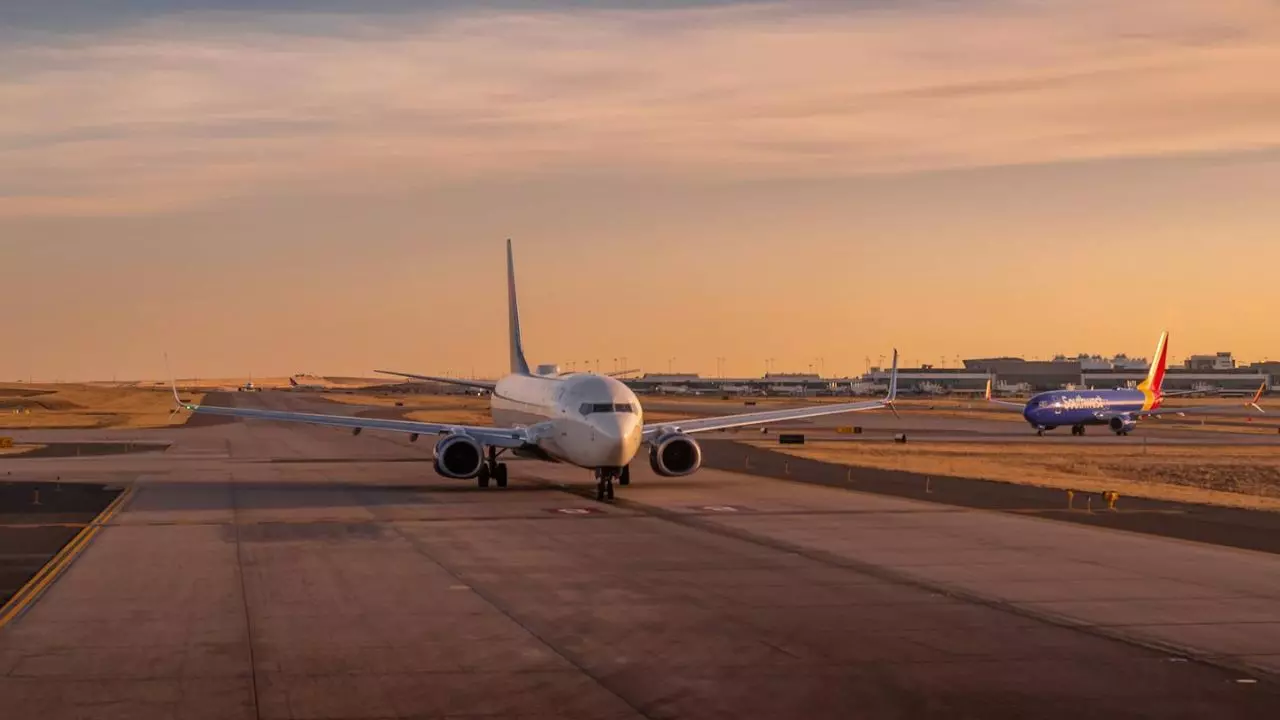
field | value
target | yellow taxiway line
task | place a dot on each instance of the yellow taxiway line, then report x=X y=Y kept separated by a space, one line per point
x=28 y=593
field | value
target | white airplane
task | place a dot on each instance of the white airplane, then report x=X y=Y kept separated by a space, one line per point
x=583 y=419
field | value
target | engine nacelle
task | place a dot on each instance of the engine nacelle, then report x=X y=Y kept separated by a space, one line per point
x=1121 y=424
x=458 y=457
x=675 y=455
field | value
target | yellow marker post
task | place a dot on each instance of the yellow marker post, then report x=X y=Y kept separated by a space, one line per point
x=1071 y=498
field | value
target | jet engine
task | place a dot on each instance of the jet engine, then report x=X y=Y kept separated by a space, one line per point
x=675 y=455
x=1122 y=424
x=458 y=457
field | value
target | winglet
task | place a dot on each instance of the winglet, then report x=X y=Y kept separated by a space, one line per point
x=893 y=385
x=893 y=379
x=1258 y=396
x=173 y=383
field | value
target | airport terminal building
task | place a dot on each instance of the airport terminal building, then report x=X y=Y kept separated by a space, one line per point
x=1008 y=376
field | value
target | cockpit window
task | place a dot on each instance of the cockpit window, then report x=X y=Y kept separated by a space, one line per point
x=588 y=408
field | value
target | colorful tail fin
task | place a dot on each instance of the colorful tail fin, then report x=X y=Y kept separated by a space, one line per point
x=518 y=364
x=1155 y=376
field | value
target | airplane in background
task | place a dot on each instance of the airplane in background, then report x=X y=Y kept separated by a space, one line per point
x=307 y=382
x=1119 y=409
x=583 y=419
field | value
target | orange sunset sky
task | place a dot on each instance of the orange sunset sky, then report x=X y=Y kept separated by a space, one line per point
x=275 y=187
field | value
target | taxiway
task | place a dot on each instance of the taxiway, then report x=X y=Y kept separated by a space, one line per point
x=257 y=570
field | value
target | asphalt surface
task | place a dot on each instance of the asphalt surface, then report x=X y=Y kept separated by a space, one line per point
x=243 y=580
x=87 y=449
x=36 y=521
x=1235 y=527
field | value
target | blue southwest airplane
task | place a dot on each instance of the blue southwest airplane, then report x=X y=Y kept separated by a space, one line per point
x=1118 y=409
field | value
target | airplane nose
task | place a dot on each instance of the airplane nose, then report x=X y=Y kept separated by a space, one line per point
x=622 y=436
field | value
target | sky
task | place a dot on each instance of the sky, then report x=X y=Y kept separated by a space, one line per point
x=275 y=187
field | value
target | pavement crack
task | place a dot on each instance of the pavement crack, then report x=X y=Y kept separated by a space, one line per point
x=505 y=610
x=244 y=595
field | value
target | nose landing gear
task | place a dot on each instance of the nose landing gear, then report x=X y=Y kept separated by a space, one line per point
x=604 y=481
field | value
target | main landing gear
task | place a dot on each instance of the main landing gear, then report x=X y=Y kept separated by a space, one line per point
x=605 y=478
x=492 y=469
x=1077 y=429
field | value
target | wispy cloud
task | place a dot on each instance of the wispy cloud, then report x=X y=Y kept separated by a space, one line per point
x=180 y=111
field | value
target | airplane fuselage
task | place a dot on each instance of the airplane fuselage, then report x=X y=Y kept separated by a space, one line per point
x=591 y=421
x=1086 y=407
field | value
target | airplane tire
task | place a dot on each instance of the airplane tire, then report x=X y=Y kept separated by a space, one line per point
x=500 y=474
x=482 y=479
x=625 y=478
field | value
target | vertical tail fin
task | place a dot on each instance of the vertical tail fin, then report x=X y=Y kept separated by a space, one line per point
x=518 y=364
x=1155 y=376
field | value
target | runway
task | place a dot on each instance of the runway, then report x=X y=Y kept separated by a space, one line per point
x=265 y=571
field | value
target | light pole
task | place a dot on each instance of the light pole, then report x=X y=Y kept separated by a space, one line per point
x=615 y=365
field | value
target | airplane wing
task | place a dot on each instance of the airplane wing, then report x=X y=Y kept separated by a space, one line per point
x=1003 y=403
x=770 y=416
x=497 y=437
x=1252 y=403
x=620 y=373
x=484 y=384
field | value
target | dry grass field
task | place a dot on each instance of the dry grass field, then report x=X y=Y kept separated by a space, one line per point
x=88 y=406
x=1237 y=476
x=461 y=409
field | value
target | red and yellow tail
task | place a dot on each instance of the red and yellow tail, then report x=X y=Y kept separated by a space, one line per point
x=1155 y=376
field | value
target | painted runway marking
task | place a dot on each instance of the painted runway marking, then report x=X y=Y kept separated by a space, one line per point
x=39 y=582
